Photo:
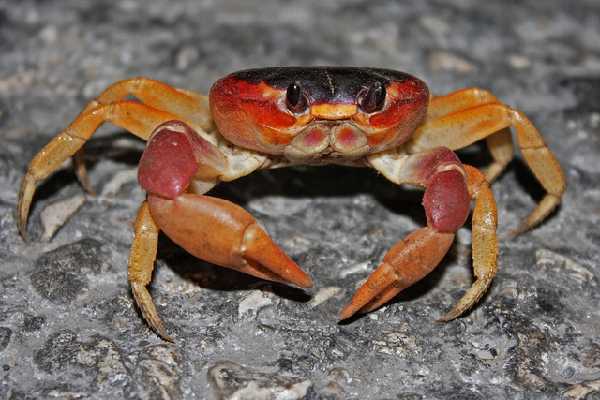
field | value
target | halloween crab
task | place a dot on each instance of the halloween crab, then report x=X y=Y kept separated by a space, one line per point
x=278 y=117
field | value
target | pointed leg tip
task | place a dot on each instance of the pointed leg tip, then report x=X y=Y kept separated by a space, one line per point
x=89 y=190
x=21 y=218
x=297 y=278
x=304 y=282
x=374 y=293
x=518 y=231
x=164 y=336
x=272 y=262
x=347 y=312
x=146 y=305
x=449 y=316
x=23 y=231
x=158 y=327
x=26 y=192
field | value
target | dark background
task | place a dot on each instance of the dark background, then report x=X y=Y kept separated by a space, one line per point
x=68 y=327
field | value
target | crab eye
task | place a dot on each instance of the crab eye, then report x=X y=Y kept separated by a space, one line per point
x=371 y=99
x=295 y=98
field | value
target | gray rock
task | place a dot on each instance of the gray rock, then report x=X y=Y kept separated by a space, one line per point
x=81 y=367
x=60 y=275
x=5 y=334
x=68 y=324
x=158 y=373
x=233 y=381
x=32 y=323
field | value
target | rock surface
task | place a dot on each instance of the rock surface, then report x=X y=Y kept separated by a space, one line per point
x=68 y=327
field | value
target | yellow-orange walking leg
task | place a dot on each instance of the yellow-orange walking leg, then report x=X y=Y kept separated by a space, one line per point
x=543 y=164
x=141 y=265
x=499 y=144
x=135 y=117
x=484 y=242
x=462 y=128
x=81 y=172
x=457 y=101
x=188 y=106
x=185 y=105
x=501 y=148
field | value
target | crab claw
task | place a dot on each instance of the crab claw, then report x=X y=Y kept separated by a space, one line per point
x=407 y=262
x=266 y=260
x=223 y=233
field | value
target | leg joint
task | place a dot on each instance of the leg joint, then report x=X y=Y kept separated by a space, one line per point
x=447 y=200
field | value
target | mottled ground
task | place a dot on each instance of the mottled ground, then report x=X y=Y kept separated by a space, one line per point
x=68 y=328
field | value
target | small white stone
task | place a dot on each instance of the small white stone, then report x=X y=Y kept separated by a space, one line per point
x=464 y=236
x=595 y=120
x=277 y=205
x=444 y=61
x=574 y=270
x=254 y=301
x=118 y=180
x=295 y=391
x=374 y=316
x=56 y=214
x=49 y=34
x=323 y=295
x=518 y=61
x=356 y=268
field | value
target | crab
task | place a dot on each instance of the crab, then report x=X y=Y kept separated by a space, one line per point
x=284 y=116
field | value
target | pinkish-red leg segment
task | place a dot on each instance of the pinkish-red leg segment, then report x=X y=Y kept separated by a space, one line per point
x=446 y=199
x=174 y=155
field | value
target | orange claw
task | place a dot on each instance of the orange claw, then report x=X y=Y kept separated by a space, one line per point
x=407 y=262
x=223 y=233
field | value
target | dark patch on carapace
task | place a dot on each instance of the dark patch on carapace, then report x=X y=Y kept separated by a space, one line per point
x=325 y=84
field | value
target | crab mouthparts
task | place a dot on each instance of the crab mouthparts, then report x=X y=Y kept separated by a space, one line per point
x=328 y=139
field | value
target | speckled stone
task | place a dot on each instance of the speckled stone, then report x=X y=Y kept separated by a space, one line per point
x=68 y=326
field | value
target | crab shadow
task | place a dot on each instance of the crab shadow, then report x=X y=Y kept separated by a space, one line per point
x=210 y=276
x=305 y=182
x=327 y=183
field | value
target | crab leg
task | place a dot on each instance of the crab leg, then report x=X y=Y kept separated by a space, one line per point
x=484 y=242
x=133 y=116
x=501 y=148
x=407 y=262
x=224 y=234
x=457 y=101
x=141 y=264
x=211 y=229
x=186 y=105
x=81 y=172
x=499 y=144
x=446 y=201
x=464 y=127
